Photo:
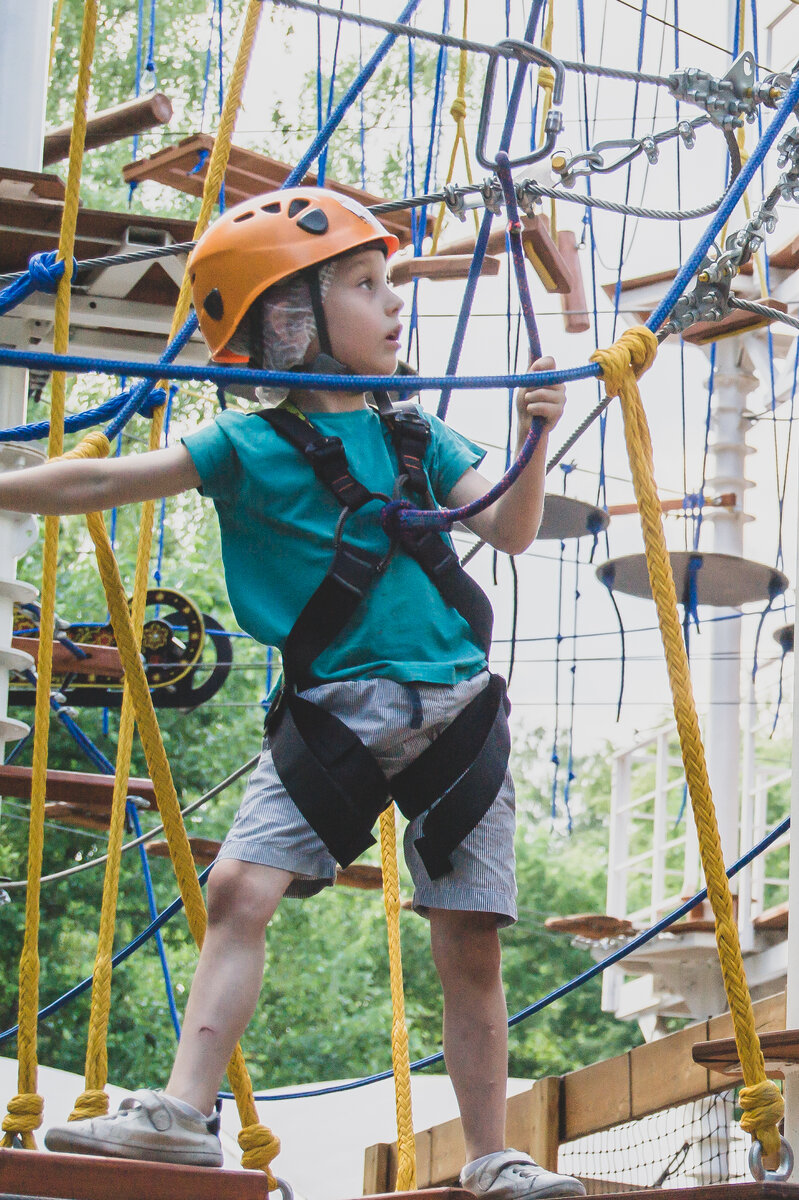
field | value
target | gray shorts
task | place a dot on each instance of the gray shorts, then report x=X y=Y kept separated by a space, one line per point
x=397 y=721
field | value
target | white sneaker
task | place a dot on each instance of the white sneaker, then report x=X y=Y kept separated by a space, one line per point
x=509 y=1175
x=148 y=1126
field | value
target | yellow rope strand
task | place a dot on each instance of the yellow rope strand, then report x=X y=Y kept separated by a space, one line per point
x=400 y=1057
x=458 y=111
x=25 y=1109
x=54 y=35
x=621 y=365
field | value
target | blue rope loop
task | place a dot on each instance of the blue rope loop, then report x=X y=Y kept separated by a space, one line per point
x=44 y=272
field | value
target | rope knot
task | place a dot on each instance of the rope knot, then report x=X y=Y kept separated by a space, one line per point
x=631 y=354
x=259 y=1146
x=94 y=445
x=389 y=517
x=458 y=109
x=91 y=1103
x=24 y=1113
x=46 y=270
x=155 y=399
x=763 y=1108
x=546 y=79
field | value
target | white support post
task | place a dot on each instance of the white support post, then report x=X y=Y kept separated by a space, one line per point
x=791 y=1086
x=24 y=52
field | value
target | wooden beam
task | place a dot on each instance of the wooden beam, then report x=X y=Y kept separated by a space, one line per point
x=111 y=125
x=69 y=814
x=725 y=500
x=773 y=918
x=594 y=926
x=780 y=1050
x=89 y=1177
x=72 y=787
x=450 y=266
x=99 y=660
x=573 y=303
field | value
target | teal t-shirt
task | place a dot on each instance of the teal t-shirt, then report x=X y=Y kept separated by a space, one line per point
x=278 y=521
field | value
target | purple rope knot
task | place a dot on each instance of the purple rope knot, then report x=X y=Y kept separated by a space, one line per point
x=390 y=518
x=45 y=270
x=155 y=399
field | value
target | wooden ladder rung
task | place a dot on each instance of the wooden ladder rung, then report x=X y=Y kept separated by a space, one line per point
x=435 y=266
x=780 y=1049
x=87 y=1177
x=80 y=789
x=99 y=660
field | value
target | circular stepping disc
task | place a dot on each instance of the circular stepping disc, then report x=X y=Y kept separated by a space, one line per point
x=722 y=580
x=567 y=518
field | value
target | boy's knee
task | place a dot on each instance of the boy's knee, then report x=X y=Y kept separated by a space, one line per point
x=465 y=943
x=244 y=895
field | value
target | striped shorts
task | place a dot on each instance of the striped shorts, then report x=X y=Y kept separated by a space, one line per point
x=397 y=721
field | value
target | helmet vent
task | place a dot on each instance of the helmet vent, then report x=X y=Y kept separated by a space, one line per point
x=270 y=208
x=245 y=216
x=314 y=221
x=213 y=305
x=297 y=206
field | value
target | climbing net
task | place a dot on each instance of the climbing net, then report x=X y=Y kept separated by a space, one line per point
x=700 y=291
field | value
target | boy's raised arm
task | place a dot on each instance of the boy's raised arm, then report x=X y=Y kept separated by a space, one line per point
x=90 y=484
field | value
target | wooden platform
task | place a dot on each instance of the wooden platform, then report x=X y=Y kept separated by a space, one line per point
x=99 y=660
x=184 y=166
x=77 y=788
x=780 y=1050
x=773 y=920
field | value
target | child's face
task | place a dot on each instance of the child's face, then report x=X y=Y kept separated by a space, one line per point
x=363 y=315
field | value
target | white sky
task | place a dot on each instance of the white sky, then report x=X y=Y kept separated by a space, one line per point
x=649 y=246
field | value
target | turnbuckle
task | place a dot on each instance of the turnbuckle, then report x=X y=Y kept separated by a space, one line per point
x=529 y=54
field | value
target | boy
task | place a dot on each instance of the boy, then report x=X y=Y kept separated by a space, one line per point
x=384 y=643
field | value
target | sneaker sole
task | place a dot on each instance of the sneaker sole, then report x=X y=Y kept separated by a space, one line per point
x=74 y=1144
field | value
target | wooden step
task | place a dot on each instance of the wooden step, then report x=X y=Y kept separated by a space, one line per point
x=780 y=1049
x=80 y=789
x=775 y=918
x=99 y=660
x=434 y=266
x=539 y=247
x=84 y=1177
x=734 y=323
x=712 y=1191
x=593 y=926
x=82 y=818
x=248 y=174
x=359 y=875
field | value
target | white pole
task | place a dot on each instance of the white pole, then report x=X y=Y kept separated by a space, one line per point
x=727 y=451
x=24 y=53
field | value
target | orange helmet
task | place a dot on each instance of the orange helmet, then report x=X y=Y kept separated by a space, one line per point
x=266 y=239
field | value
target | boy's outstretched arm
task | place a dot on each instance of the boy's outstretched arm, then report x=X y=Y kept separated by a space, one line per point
x=511 y=523
x=84 y=485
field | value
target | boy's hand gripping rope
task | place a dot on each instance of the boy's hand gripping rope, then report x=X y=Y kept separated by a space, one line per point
x=621 y=365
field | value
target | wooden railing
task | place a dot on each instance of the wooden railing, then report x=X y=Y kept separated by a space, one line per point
x=559 y=1109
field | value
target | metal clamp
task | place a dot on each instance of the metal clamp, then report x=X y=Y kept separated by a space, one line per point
x=759 y=1172
x=285 y=1188
x=529 y=54
x=727 y=101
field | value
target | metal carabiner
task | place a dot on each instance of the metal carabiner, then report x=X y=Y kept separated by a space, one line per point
x=528 y=53
x=759 y=1172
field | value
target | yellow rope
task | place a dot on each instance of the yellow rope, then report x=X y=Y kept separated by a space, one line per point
x=258 y=1143
x=621 y=365
x=546 y=82
x=400 y=1057
x=54 y=35
x=458 y=111
x=25 y=1109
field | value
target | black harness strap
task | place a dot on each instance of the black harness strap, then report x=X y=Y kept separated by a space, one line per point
x=333 y=778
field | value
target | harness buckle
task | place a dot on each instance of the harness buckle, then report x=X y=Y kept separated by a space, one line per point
x=326 y=450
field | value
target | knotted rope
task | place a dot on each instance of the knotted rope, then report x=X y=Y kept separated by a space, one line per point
x=458 y=110
x=25 y=1109
x=622 y=364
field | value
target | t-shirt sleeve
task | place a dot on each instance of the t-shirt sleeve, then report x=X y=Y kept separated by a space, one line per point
x=449 y=455
x=215 y=459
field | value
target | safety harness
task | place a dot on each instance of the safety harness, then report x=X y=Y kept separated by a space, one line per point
x=332 y=777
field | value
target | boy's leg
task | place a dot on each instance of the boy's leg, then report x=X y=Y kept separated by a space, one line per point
x=466 y=953
x=242 y=897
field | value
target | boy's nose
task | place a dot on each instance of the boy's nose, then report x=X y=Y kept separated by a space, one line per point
x=396 y=303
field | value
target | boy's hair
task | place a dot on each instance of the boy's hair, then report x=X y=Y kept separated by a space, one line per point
x=266 y=240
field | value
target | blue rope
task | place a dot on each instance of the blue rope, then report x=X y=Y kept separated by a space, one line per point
x=44 y=272
x=322 y=170
x=711 y=383
x=162 y=518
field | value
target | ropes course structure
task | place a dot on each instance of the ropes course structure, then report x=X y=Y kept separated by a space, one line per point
x=699 y=301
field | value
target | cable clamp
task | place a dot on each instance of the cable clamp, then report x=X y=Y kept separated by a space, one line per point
x=454 y=200
x=728 y=101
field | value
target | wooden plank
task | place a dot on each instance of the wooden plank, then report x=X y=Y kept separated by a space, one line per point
x=35 y=183
x=68 y=814
x=533 y=1121
x=541 y=251
x=593 y=926
x=204 y=850
x=573 y=303
x=725 y=500
x=111 y=125
x=713 y=1191
x=248 y=174
x=769 y=1016
x=780 y=1050
x=787 y=257
x=452 y=266
x=736 y=322
x=596 y=1097
x=375 y=1169
x=663 y=1073
x=85 y=1177
x=99 y=660
x=447 y=1152
x=773 y=918
x=72 y=787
